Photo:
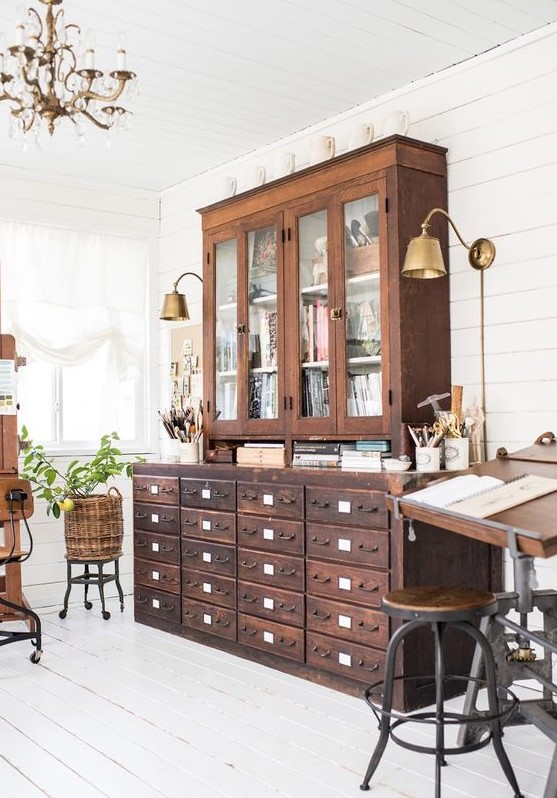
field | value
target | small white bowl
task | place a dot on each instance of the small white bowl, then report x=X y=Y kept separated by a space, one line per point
x=391 y=464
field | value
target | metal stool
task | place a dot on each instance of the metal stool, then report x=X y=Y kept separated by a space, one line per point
x=439 y=607
x=87 y=578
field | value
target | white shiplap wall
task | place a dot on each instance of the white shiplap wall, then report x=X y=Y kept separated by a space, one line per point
x=497 y=115
x=40 y=200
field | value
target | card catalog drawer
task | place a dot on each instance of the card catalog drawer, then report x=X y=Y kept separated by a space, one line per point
x=271 y=569
x=271 y=534
x=157 y=518
x=283 y=606
x=284 y=641
x=212 y=494
x=207 y=618
x=210 y=557
x=162 y=490
x=165 y=605
x=353 y=507
x=349 y=621
x=348 y=544
x=209 y=587
x=346 y=583
x=341 y=656
x=208 y=525
x=159 y=575
x=269 y=499
x=162 y=548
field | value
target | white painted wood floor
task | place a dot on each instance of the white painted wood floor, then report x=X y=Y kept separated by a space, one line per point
x=118 y=709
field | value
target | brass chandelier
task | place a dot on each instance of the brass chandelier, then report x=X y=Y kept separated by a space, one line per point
x=41 y=79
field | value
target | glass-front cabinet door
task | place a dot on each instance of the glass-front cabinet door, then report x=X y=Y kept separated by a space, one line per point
x=225 y=254
x=361 y=393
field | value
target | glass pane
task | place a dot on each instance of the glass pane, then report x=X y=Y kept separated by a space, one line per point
x=226 y=375
x=262 y=323
x=314 y=314
x=363 y=322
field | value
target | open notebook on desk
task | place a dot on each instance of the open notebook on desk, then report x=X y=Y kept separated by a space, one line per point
x=482 y=496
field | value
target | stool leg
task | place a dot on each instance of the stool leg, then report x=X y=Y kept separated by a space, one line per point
x=118 y=585
x=64 y=611
x=387 y=703
x=105 y=614
x=440 y=760
x=493 y=703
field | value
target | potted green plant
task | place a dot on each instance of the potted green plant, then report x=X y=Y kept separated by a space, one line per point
x=93 y=523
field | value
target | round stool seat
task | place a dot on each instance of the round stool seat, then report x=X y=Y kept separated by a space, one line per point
x=435 y=603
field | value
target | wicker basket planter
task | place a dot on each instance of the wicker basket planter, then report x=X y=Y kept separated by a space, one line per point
x=94 y=529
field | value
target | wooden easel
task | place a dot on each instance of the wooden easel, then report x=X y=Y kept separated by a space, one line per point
x=11 y=584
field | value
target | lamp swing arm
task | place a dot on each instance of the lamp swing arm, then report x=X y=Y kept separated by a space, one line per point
x=185 y=274
x=481 y=252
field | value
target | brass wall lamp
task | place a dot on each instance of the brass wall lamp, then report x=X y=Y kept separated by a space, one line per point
x=424 y=259
x=174 y=306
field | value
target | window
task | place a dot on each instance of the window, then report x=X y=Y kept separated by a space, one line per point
x=76 y=303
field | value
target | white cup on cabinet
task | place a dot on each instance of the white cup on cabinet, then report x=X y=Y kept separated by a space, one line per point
x=396 y=122
x=257 y=176
x=360 y=135
x=230 y=186
x=285 y=164
x=321 y=148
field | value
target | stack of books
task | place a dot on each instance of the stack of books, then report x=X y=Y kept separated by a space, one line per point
x=365 y=455
x=316 y=454
x=261 y=454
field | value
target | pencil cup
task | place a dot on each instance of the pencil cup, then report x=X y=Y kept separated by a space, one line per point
x=170 y=450
x=189 y=452
x=457 y=454
x=427 y=458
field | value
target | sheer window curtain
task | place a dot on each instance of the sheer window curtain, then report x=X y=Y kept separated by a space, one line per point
x=68 y=294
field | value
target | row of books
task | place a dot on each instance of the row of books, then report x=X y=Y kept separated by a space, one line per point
x=315 y=332
x=315 y=393
x=363 y=455
x=364 y=394
x=263 y=402
x=263 y=339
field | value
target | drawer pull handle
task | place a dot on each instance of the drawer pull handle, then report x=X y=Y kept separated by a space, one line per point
x=317 y=503
x=187 y=522
x=324 y=652
x=188 y=553
x=218 y=558
x=168 y=608
x=167 y=549
x=368 y=589
x=281 y=606
x=188 y=492
x=167 y=519
x=318 y=542
x=371 y=628
x=368 y=549
x=191 y=584
x=141 y=544
x=292 y=536
x=251 y=497
x=222 y=592
x=363 y=509
x=248 y=599
x=139 y=488
x=287 y=643
x=245 y=564
x=167 y=578
x=167 y=490
x=247 y=531
x=223 y=527
x=291 y=572
x=141 y=516
x=189 y=614
x=218 y=495
x=322 y=616
x=222 y=622
x=141 y=599
x=322 y=581
x=142 y=571
x=286 y=500
x=249 y=632
x=361 y=665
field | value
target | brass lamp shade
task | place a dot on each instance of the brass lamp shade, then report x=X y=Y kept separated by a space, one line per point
x=424 y=259
x=174 y=307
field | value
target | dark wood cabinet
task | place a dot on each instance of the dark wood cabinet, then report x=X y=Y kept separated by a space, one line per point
x=297 y=586
x=310 y=330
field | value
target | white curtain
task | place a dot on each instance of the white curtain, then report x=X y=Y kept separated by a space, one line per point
x=67 y=293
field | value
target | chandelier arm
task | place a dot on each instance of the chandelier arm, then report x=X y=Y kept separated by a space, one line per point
x=91 y=118
x=33 y=12
x=86 y=94
x=440 y=210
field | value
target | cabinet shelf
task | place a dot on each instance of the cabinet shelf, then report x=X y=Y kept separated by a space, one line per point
x=268 y=299
x=264 y=370
x=316 y=364
x=228 y=306
x=227 y=374
x=363 y=361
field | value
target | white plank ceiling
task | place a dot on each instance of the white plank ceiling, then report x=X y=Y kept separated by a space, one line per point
x=220 y=78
